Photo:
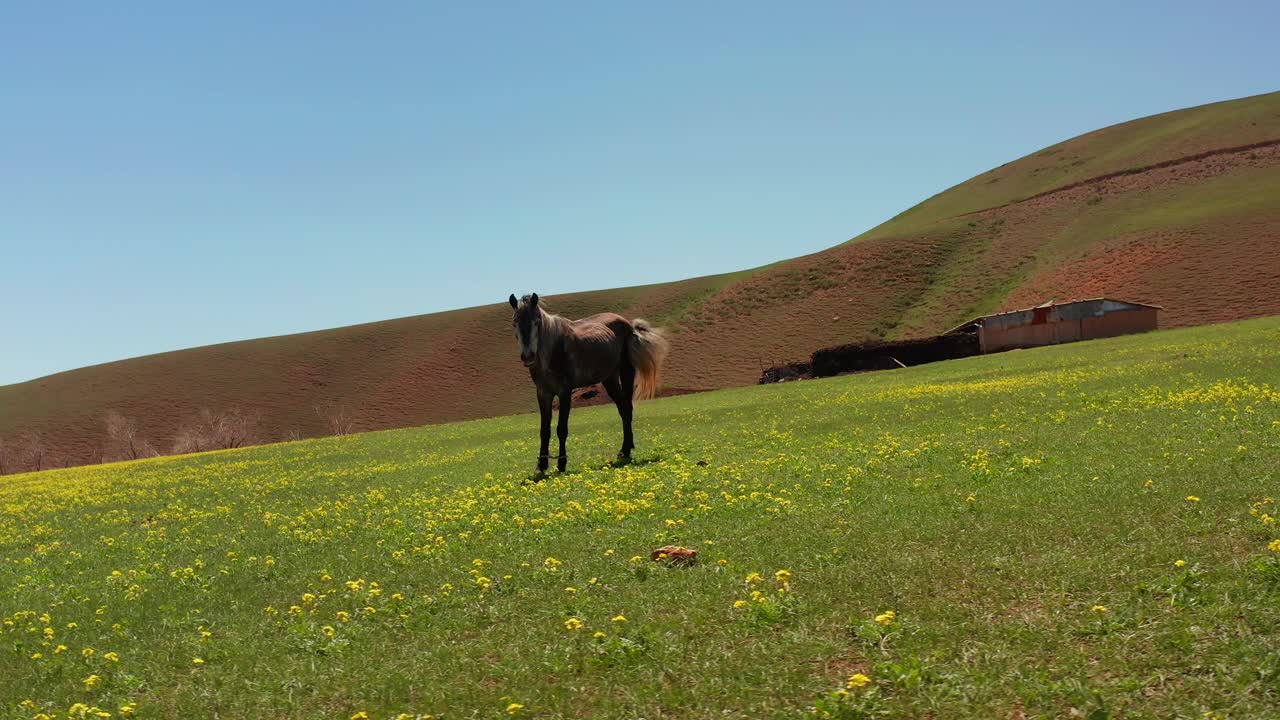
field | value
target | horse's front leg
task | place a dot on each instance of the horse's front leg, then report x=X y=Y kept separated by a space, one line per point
x=544 y=407
x=562 y=427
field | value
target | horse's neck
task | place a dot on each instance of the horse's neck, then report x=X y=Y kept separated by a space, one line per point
x=554 y=328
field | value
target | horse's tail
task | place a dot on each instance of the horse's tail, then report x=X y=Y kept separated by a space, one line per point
x=648 y=349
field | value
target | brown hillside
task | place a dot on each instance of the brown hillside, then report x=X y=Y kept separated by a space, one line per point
x=1180 y=209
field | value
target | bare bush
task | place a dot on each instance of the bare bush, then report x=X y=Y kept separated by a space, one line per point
x=337 y=417
x=218 y=430
x=124 y=440
x=190 y=439
x=232 y=428
x=31 y=451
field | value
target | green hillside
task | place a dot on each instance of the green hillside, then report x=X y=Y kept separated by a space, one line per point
x=1191 y=224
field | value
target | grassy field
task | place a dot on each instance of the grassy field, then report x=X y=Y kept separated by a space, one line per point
x=1082 y=529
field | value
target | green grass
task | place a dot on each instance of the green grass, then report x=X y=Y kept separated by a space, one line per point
x=1242 y=193
x=1129 y=145
x=991 y=503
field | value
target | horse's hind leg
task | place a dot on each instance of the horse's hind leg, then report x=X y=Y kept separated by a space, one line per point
x=562 y=428
x=622 y=390
x=613 y=386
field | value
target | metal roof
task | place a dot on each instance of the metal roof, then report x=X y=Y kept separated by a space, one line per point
x=1050 y=303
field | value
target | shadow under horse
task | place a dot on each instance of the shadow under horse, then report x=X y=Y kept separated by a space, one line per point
x=625 y=356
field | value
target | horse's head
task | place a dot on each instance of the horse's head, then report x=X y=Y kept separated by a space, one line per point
x=526 y=322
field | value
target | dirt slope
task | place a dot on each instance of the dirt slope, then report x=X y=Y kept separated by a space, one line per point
x=1180 y=209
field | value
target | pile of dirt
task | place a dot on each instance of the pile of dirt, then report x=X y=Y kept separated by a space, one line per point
x=876 y=355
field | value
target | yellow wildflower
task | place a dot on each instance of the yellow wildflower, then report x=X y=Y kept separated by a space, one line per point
x=1193 y=499
x=1179 y=563
x=573 y=623
x=197 y=661
x=111 y=657
x=514 y=709
x=619 y=618
x=782 y=575
x=857 y=680
x=886 y=618
x=1100 y=609
x=91 y=682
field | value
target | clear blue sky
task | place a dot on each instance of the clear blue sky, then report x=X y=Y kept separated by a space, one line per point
x=173 y=176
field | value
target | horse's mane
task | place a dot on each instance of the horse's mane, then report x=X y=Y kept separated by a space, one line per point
x=554 y=327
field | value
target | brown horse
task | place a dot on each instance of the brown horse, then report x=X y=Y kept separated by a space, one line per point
x=623 y=355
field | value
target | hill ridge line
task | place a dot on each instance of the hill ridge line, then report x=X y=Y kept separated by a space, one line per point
x=1121 y=173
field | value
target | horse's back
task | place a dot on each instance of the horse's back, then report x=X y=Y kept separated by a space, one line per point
x=599 y=342
x=619 y=325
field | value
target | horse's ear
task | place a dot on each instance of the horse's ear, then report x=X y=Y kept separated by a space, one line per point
x=514 y=303
x=533 y=299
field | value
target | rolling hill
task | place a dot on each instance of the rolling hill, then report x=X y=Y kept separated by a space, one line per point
x=1180 y=209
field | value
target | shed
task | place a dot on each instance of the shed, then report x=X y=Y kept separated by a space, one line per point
x=1052 y=323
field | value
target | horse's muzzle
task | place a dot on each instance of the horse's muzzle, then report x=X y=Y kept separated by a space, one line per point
x=527 y=359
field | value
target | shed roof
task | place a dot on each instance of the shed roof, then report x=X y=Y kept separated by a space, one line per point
x=1049 y=303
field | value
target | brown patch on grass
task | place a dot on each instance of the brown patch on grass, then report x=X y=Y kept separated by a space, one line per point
x=837 y=670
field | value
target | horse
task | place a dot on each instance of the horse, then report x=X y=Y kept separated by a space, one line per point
x=562 y=355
